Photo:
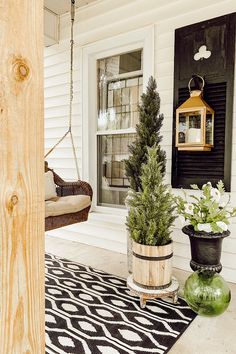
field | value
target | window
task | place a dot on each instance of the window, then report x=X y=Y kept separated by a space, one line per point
x=120 y=85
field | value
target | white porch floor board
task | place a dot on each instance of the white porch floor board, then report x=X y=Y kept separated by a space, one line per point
x=107 y=231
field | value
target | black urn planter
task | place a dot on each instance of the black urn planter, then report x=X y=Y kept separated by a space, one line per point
x=205 y=249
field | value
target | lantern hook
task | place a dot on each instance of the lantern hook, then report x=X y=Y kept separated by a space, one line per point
x=192 y=78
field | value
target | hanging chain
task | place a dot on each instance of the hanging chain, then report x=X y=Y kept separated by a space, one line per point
x=69 y=131
x=72 y=83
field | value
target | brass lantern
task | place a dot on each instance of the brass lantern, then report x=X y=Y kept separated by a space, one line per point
x=195 y=123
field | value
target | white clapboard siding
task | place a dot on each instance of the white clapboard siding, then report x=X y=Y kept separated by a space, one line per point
x=63 y=162
x=58 y=90
x=62 y=153
x=61 y=121
x=65 y=144
x=68 y=173
x=57 y=133
x=61 y=110
x=60 y=68
x=109 y=18
x=57 y=98
x=55 y=55
x=60 y=79
x=52 y=102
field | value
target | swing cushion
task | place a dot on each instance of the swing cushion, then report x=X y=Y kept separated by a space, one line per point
x=50 y=187
x=66 y=205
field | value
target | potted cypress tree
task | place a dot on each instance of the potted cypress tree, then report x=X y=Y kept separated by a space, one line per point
x=148 y=135
x=150 y=217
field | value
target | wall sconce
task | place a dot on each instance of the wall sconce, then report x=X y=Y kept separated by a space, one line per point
x=195 y=122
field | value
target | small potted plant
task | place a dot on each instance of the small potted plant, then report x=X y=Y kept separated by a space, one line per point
x=207 y=218
x=150 y=217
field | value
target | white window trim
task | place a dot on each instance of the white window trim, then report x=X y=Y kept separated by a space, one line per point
x=140 y=39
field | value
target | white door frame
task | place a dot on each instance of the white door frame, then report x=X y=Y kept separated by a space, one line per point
x=140 y=39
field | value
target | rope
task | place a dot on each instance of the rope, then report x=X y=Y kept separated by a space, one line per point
x=69 y=131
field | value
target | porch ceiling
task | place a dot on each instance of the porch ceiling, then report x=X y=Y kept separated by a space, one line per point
x=62 y=6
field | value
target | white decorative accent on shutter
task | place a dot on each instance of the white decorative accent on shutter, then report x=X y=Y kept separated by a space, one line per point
x=202 y=53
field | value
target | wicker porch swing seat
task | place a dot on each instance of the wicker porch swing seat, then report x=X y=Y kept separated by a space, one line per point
x=70 y=202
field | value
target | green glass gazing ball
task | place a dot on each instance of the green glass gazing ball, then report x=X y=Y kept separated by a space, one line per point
x=207 y=293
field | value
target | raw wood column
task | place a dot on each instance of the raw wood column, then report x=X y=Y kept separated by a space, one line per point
x=21 y=178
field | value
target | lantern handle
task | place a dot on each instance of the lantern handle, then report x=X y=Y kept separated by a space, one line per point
x=192 y=78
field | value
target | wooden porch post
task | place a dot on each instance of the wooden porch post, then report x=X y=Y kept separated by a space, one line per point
x=21 y=178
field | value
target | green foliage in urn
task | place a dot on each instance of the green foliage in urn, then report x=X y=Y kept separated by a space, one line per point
x=148 y=135
x=209 y=210
x=151 y=212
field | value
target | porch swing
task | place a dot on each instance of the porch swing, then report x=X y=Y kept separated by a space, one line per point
x=66 y=203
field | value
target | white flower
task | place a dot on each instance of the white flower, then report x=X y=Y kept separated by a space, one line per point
x=188 y=208
x=207 y=184
x=222 y=225
x=204 y=227
x=215 y=194
x=223 y=204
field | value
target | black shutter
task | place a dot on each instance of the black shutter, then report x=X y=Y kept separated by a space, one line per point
x=218 y=71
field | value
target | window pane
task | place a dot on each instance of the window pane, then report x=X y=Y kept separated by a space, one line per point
x=130 y=62
x=194 y=133
x=209 y=129
x=182 y=128
x=118 y=102
x=118 y=96
x=113 y=150
x=120 y=85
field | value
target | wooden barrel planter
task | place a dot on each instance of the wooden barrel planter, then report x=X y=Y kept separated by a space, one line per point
x=152 y=265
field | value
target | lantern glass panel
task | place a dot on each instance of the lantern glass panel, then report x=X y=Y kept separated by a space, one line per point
x=194 y=132
x=182 y=128
x=209 y=129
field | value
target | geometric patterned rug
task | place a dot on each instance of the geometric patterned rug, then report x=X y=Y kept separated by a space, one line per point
x=89 y=311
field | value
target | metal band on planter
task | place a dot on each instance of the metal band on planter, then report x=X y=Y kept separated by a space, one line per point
x=152 y=266
x=149 y=287
x=162 y=258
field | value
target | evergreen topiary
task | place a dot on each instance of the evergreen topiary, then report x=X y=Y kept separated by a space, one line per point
x=151 y=212
x=148 y=135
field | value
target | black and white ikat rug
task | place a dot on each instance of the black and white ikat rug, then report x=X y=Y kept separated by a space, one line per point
x=91 y=312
